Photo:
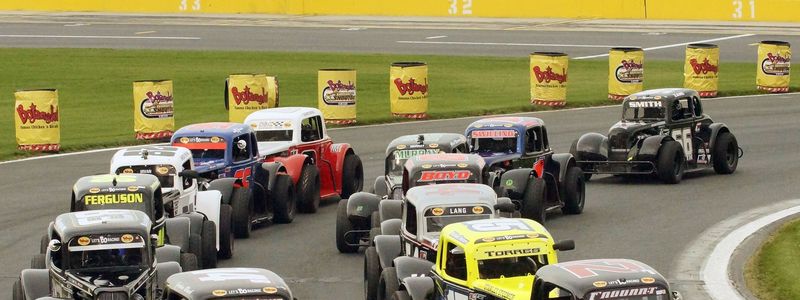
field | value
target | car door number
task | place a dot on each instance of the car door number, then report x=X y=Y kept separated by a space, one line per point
x=684 y=137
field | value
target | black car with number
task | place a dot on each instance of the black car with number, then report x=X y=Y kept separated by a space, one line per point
x=662 y=132
x=227 y=283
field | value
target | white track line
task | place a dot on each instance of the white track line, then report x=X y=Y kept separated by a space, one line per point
x=505 y=44
x=435 y=37
x=715 y=270
x=98 y=37
x=675 y=45
x=399 y=123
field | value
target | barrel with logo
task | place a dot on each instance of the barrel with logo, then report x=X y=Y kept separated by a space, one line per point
x=337 y=95
x=774 y=64
x=549 y=78
x=408 y=90
x=625 y=72
x=701 y=69
x=36 y=120
x=246 y=93
x=153 y=109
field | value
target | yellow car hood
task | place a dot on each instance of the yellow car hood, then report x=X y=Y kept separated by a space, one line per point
x=507 y=288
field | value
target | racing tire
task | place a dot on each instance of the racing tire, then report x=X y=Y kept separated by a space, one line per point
x=188 y=262
x=574 y=191
x=225 y=232
x=308 y=189
x=533 y=200
x=209 y=257
x=343 y=225
x=43 y=244
x=372 y=273
x=727 y=148
x=671 y=162
x=285 y=202
x=388 y=284
x=18 y=293
x=240 y=203
x=375 y=220
x=373 y=232
x=352 y=175
x=401 y=295
x=196 y=248
x=38 y=262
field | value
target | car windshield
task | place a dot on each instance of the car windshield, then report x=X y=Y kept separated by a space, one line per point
x=436 y=223
x=643 y=110
x=630 y=293
x=274 y=135
x=494 y=268
x=208 y=154
x=164 y=173
x=397 y=159
x=494 y=145
x=106 y=258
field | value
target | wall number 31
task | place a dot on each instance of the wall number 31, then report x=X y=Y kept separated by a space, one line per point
x=466 y=7
x=738 y=7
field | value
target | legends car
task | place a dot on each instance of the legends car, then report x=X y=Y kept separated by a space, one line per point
x=522 y=165
x=602 y=279
x=183 y=196
x=227 y=154
x=662 y=132
x=481 y=259
x=404 y=147
x=104 y=254
x=297 y=138
x=227 y=283
x=425 y=211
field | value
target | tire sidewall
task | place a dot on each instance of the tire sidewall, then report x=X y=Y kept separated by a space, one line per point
x=308 y=189
x=575 y=191
x=372 y=273
x=533 y=200
x=226 y=237
x=343 y=225
x=670 y=153
x=241 y=214
x=352 y=175
x=209 y=244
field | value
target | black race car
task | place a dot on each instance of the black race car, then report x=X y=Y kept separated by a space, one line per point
x=227 y=283
x=662 y=132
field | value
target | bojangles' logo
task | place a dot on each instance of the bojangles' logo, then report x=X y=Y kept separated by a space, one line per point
x=776 y=64
x=703 y=67
x=339 y=86
x=629 y=71
x=411 y=86
x=548 y=75
x=33 y=114
x=246 y=96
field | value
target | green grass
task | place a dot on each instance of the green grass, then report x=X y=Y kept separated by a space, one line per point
x=773 y=271
x=95 y=85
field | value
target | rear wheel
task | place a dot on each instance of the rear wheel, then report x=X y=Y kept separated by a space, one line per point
x=345 y=244
x=38 y=262
x=372 y=273
x=575 y=188
x=285 y=202
x=725 y=153
x=352 y=175
x=671 y=162
x=308 y=189
x=209 y=245
x=225 y=232
x=240 y=203
x=19 y=294
x=188 y=262
x=534 y=199
x=388 y=284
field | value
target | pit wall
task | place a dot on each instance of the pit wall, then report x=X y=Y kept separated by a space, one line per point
x=710 y=10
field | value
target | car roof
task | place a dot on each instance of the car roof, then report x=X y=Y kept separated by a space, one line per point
x=664 y=94
x=488 y=230
x=222 y=129
x=426 y=196
x=517 y=123
x=69 y=225
x=155 y=155
x=145 y=183
x=583 y=276
x=220 y=282
x=296 y=114
x=442 y=141
x=446 y=161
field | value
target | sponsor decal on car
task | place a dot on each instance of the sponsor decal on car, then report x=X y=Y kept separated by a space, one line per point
x=219 y=293
x=125 y=198
x=428 y=176
x=406 y=154
x=625 y=293
x=638 y=104
x=84 y=240
x=478 y=134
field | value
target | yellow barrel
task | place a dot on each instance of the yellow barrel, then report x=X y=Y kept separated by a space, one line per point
x=549 y=78
x=701 y=69
x=625 y=72
x=774 y=63
x=337 y=95
x=153 y=109
x=408 y=90
x=246 y=93
x=36 y=120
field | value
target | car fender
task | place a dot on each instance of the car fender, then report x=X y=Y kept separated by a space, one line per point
x=419 y=288
x=362 y=205
x=293 y=165
x=514 y=182
x=564 y=161
x=391 y=226
x=208 y=203
x=390 y=209
x=168 y=253
x=380 y=187
x=35 y=283
x=407 y=266
x=336 y=153
x=224 y=186
x=178 y=230
x=273 y=169
x=592 y=147
x=650 y=147
x=166 y=269
x=716 y=129
x=388 y=247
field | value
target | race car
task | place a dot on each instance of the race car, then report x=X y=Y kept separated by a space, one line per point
x=297 y=138
x=662 y=132
x=480 y=259
x=599 y=279
x=103 y=254
x=227 y=283
x=404 y=147
x=227 y=154
x=210 y=220
x=425 y=211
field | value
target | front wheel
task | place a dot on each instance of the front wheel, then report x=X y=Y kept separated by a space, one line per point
x=575 y=187
x=671 y=162
x=225 y=232
x=209 y=245
x=725 y=153
x=388 y=284
x=38 y=262
x=372 y=273
x=240 y=203
x=343 y=226
x=352 y=175
x=285 y=202
x=533 y=200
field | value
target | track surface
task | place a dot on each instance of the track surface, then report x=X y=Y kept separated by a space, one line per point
x=640 y=219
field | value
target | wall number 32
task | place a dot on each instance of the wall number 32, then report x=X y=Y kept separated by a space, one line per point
x=466 y=7
x=185 y=5
x=738 y=7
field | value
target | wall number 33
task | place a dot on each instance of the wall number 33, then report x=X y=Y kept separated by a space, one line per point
x=739 y=7
x=185 y=5
x=466 y=7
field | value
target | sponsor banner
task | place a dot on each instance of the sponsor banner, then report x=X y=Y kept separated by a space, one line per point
x=549 y=78
x=153 y=109
x=337 y=95
x=625 y=72
x=774 y=64
x=36 y=120
x=247 y=93
x=701 y=69
x=408 y=90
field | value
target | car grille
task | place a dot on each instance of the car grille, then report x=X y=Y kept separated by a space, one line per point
x=618 y=139
x=112 y=296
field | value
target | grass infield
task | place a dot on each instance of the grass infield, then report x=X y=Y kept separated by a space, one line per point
x=95 y=85
x=772 y=272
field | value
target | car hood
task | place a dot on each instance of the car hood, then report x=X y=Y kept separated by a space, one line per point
x=516 y=288
x=208 y=165
x=269 y=148
x=492 y=158
x=631 y=126
x=107 y=279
